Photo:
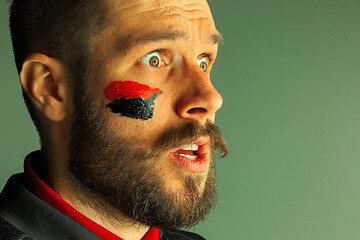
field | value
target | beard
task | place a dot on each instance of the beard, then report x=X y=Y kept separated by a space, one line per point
x=118 y=178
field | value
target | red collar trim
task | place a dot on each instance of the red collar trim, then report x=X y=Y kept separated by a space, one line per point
x=46 y=194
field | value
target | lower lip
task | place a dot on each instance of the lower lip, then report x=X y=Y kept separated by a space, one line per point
x=200 y=165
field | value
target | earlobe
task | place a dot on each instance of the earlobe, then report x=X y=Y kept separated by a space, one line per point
x=43 y=80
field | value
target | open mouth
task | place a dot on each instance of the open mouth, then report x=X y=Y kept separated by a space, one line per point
x=193 y=157
x=188 y=151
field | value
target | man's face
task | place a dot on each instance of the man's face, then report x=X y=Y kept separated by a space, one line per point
x=142 y=133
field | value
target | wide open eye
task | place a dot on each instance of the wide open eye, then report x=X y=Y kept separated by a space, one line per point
x=153 y=59
x=203 y=63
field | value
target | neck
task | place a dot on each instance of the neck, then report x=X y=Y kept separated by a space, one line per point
x=100 y=212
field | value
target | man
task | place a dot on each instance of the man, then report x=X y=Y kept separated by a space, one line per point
x=120 y=94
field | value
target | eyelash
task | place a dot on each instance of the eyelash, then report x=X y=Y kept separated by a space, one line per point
x=161 y=51
x=211 y=58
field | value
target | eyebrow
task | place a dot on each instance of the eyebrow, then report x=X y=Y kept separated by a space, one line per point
x=215 y=38
x=160 y=36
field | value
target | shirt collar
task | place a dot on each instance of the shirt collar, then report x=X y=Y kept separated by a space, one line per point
x=38 y=187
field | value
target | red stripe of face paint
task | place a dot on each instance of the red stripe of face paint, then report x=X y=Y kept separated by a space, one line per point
x=129 y=90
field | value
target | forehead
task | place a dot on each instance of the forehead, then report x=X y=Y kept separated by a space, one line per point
x=135 y=17
x=187 y=8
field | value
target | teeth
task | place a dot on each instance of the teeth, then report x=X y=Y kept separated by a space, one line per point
x=192 y=147
x=191 y=157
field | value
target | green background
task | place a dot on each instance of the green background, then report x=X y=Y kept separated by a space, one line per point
x=290 y=77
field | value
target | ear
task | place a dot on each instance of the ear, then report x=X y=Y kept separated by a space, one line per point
x=44 y=80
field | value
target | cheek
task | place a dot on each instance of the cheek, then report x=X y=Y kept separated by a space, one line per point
x=131 y=99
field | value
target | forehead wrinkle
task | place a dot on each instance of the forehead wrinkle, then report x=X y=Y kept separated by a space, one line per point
x=186 y=17
x=191 y=12
x=164 y=8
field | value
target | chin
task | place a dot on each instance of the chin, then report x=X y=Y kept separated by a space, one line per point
x=176 y=180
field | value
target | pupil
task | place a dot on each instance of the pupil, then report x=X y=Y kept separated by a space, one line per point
x=203 y=66
x=154 y=61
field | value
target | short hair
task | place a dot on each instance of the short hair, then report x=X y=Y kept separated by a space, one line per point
x=61 y=29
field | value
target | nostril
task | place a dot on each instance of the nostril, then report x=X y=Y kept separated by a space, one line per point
x=197 y=110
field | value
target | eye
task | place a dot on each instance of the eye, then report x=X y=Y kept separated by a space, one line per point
x=203 y=63
x=153 y=59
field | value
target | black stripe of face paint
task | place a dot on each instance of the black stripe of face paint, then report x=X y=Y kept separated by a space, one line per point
x=134 y=108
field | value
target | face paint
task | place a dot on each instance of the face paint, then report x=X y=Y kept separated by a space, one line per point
x=131 y=99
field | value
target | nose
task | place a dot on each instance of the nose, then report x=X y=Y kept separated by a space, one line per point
x=199 y=100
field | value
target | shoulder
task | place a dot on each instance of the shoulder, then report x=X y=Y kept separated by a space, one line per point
x=179 y=235
x=10 y=232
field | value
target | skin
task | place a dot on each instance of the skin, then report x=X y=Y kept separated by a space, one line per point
x=138 y=28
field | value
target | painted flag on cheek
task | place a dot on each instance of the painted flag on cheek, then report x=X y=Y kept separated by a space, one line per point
x=131 y=99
